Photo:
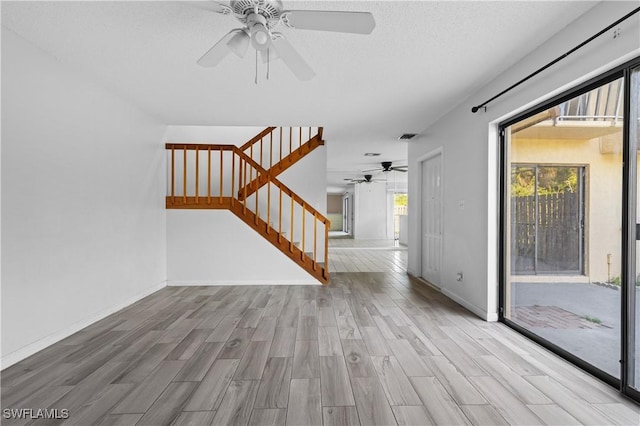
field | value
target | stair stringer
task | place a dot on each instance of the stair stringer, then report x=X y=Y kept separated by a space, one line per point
x=315 y=269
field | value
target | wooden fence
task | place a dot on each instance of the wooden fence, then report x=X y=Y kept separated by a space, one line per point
x=556 y=224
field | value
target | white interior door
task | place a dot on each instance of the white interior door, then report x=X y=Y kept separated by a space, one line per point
x=432 y=218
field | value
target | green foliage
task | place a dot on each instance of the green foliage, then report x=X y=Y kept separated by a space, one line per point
x=594 y=320
x=400 y=199
x=551 y=180
x=618 y=281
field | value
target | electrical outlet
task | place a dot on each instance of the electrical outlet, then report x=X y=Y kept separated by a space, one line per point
x=459 y=276
x=461 y=204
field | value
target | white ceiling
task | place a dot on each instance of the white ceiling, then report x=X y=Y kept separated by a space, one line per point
x=422 y=59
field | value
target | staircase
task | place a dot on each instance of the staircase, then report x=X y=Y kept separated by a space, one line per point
x=243 y=180
x=285 y=148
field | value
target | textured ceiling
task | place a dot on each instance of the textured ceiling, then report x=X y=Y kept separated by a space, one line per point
x=422 y=59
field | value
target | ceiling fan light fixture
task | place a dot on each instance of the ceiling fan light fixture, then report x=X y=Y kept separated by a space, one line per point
x=260 y=37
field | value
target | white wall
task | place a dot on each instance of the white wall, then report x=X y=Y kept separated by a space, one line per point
x=214 y=247
x=469 y=142
x=82 y=201
x=307 y=178
x=370 y=211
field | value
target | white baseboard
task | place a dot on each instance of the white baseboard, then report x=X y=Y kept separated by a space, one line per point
x=187 y=283
x=487 y=316
x=26 y=351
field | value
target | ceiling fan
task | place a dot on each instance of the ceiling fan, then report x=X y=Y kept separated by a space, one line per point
x=367 y=179
x=260 y=17
x=387 y=167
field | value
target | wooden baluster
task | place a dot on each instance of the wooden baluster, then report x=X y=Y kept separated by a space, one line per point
x=268 y=205
x=291 y=228
x=208 y=175
x=184 y=175
x=251 y=168
x=244 y=186
x=261 y=176
x=290 y=139
x=280 y=216
x=239 y=176
x=280 y=154
x=270 y=149
x=221 y=175
x=257 y=190
x=325 y=268
x=233 y=177
x=173 y=174
x=304 y=214
x=197 y=173
x=315 y=245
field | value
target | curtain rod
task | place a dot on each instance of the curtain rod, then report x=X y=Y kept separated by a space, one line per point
x=559 y=58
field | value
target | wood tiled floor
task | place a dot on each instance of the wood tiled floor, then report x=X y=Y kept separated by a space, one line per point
x=371 y=348
x=349 y=255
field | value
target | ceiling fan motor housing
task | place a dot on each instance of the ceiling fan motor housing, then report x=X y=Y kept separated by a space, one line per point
x=386 y=166
x=270 y=10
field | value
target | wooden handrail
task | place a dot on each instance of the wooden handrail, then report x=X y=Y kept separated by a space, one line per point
x=257 y=137
x=193 y=146
x=281 y=185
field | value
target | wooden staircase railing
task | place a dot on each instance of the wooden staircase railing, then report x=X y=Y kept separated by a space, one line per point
x=276 y=149
x=208 y=176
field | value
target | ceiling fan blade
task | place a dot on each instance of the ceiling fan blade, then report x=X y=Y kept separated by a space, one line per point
x=292 y=58
x=212 y=6
x=218 y=51
x=239 y=43
x=321 y=20
x=399 y=169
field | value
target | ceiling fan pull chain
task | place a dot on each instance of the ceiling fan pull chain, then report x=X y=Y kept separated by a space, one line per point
x=256 y=80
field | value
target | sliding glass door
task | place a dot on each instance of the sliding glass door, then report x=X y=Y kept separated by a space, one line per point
x=570 y=226
x=633 y=293
x=563 y=224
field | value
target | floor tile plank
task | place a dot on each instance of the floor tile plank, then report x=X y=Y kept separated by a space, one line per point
x=274 y=386
x=306 y=360
x=395 y=383
x=237 y=404
x=211 y=389
x=304 y=403
x=340 y=416
x=373 y=408
x=334 y=380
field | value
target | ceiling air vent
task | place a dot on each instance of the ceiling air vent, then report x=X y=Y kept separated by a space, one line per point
x=406 y=136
